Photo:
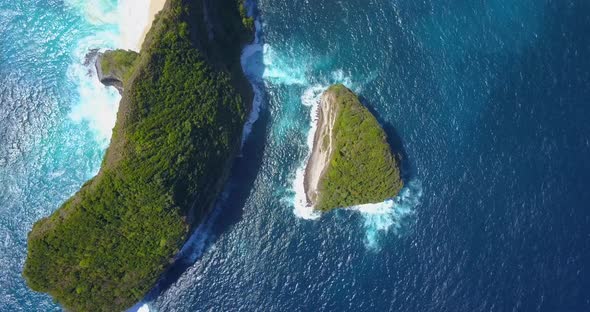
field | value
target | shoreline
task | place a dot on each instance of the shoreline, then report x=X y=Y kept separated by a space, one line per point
x=192 y=209
x=155 y=7
x=320 y=154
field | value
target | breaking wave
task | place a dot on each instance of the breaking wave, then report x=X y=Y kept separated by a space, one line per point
x=390 y=215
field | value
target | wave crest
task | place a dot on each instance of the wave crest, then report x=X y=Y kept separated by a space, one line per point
x=115 y=24
x=390 y=215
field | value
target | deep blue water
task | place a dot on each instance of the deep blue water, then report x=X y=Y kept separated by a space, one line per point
x=487 y=102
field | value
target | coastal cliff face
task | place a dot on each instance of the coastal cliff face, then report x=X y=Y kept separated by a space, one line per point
x=351 y=162
x=178 y=130
x=113 y=68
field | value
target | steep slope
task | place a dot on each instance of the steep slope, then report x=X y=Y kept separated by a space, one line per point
x=178 y=129
x=115 y=67
x=351 y=162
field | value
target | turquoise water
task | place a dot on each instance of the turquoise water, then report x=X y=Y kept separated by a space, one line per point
x=55 y=121
x=487 y=102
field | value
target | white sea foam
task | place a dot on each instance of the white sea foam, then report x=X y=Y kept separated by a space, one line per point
x=118 y=25
x=97 y=105
x=283 y=70
x=99 y=12
x=311 y=98
x=251 y=60
x=145 y=308
x=196 y=244
x=390 y=215
x=379 y=218
x=133 y=17
x=142 y=307
x=338 y=76
x=301 y=208
x=129 y=16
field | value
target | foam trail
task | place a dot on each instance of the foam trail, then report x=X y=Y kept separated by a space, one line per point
x=283 y=70
x=390 y=215
x=143 y=307
x=99 y=12
x=311 y=98
x=118 y=25
x=129 y=17
x=251 y=54
x=201 y=238
x=292 y=71
x=196 y=244
x=253 y=68
x=379 y=218
x=97 y=105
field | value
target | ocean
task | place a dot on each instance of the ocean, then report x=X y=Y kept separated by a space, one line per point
x=487 y=104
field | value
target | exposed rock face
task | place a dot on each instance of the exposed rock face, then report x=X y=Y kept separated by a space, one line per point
x=109 y=79
x=114 y=67
x=351 y=162
x=94 y=58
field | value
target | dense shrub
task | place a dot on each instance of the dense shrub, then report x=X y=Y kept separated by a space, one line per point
x=178 y=128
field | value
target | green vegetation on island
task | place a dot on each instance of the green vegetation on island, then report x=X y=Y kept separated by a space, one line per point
x=118 y=63
x=360 y=166
x=178 y=129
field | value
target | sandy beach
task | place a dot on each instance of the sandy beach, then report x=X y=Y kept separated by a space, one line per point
x=135 y=18
x=322 y=148
x=155 y=7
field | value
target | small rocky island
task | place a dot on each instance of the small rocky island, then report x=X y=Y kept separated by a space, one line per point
x=351 y=162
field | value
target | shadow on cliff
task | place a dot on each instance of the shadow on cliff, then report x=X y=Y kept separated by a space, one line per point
x=229 y=206
x=244 y=173
x=395 y=142
x=228 y=210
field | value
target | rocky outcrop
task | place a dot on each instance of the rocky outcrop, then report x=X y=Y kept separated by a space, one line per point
x=114 y=67
x=108 y=80
x=178 y=130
